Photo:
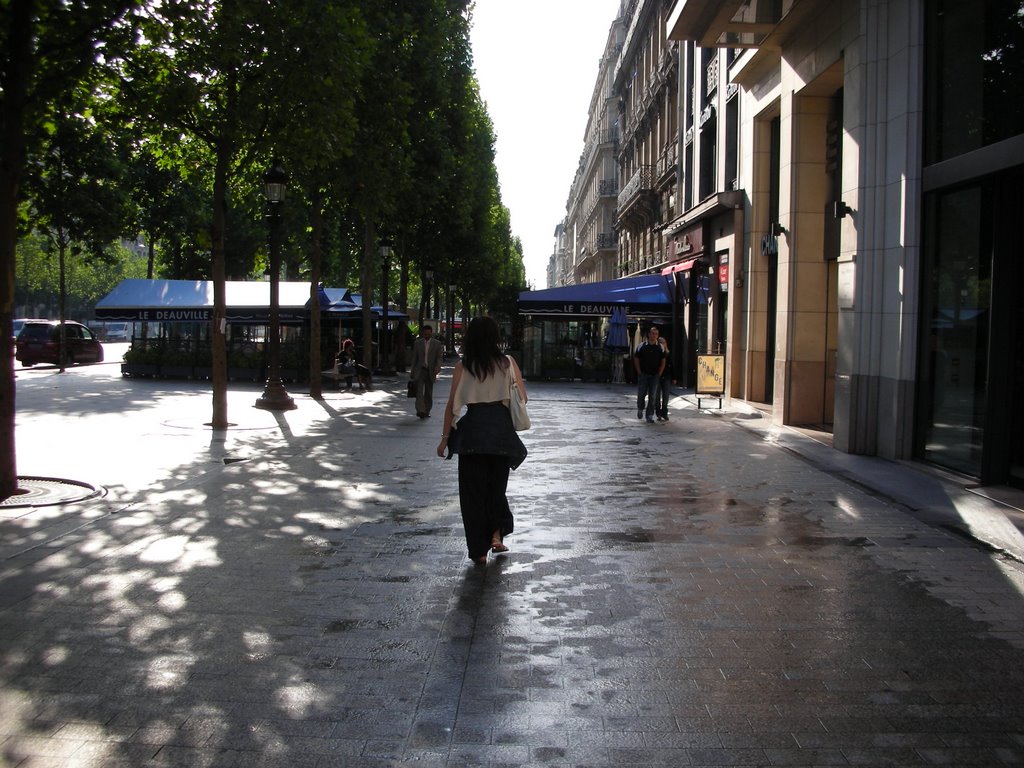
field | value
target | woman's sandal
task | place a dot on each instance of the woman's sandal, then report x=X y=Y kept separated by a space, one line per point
x=482 y=560
x=498 y=547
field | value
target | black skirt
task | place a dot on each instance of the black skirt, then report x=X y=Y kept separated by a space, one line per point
x=487 y=429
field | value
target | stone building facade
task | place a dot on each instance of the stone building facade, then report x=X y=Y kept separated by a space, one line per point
x=591 y=238
x=834 y=189
x=881 y=160
x=645 y=84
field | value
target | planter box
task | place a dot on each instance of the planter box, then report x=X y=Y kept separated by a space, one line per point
x=176 y=371
x=595 y=374
x=559 y=373
x=139 y=369
x=246 y=374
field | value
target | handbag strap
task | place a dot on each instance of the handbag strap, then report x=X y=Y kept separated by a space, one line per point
x=511 y=375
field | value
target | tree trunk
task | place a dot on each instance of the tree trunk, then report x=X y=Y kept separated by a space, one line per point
x=366 y=289
x=218 y=350
x=424 y=300
x=384 y=332
x=316 y=224
x=18 y=39
x=62 y=338
x=403 y=287
x=8 y=238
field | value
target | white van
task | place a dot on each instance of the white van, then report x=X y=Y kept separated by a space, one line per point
x=113 y=331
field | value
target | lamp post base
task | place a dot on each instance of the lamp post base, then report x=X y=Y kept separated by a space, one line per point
x=275 y=397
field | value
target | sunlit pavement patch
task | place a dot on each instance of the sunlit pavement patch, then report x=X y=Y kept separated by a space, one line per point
x=46 y=491
x=187 y=424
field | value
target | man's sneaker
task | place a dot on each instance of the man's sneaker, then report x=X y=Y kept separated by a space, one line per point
x=639 y=413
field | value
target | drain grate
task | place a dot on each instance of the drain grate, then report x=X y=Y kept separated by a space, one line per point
x=47 y=491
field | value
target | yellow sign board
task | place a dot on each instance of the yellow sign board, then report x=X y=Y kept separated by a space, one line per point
x=710 y=374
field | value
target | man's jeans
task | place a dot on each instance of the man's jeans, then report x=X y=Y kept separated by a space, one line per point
x=663 y=384
x=647 y=389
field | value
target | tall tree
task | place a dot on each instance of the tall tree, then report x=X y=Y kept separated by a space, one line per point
x=166 y=209
x=47 y=47
x=203 y=69
x=74 y=188
x=315 y=120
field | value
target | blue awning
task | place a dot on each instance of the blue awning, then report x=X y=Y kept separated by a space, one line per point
x=137 y=300
x=642 y=296
x=350 y=307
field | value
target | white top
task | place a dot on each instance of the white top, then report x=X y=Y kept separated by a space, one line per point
x=492 y=389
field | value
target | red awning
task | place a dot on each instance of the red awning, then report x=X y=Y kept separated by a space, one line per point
x=682 y=266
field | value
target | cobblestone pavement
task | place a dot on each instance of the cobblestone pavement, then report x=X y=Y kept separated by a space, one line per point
x=297 y=593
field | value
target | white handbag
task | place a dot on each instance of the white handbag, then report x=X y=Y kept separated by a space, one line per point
x=516 y=406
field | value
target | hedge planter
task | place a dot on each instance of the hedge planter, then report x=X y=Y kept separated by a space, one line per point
x=177 y=371
x=246 y=374
x=140 y=369
x=559 y=373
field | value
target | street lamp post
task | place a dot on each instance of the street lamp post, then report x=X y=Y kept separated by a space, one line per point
x=427 y=288
x=452 y=288
x=385 y=331
x=274 y=397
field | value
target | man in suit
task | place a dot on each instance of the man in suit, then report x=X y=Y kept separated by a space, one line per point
x=427 y=354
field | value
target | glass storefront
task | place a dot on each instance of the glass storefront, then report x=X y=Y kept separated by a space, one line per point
x=970 y=398
x=567 y=349
x=957 y=301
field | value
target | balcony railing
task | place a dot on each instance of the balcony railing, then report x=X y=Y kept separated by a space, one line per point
x=642 y=180
x=667 y=159
x=712 y=82
x=606 y=187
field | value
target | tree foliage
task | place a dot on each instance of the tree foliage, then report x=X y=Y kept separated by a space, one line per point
x=169 y=113
x=47 y=49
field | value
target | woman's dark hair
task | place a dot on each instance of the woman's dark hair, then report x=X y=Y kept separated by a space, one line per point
x=480 y=352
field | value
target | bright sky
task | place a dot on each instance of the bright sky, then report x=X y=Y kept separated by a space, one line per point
x=537 y=64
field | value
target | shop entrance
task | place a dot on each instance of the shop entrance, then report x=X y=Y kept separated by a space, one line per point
x=971 y=398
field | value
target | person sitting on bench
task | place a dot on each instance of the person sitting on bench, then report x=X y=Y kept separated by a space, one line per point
x=349 y=367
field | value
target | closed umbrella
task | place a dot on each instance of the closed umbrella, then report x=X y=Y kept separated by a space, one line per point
x=618 y=336
x=617 y=342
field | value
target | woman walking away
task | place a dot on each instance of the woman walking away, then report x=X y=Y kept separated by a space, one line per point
x=484 y=438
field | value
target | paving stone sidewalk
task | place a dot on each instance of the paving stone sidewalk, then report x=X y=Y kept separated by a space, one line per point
x=680 y=594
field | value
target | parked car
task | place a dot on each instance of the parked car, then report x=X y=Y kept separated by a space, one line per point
x=39 y=342
x=18 y=323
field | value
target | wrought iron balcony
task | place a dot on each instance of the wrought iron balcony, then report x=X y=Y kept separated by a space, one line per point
x=667 y=159
x=642 y=181
x=712 y=77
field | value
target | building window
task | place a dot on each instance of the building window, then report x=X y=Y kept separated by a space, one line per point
x=969 y=417
x=708 y=154
x=975 y=75
x=956 y=298
x=732 y=124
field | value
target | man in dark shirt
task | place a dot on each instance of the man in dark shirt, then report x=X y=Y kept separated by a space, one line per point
x=649 y=363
